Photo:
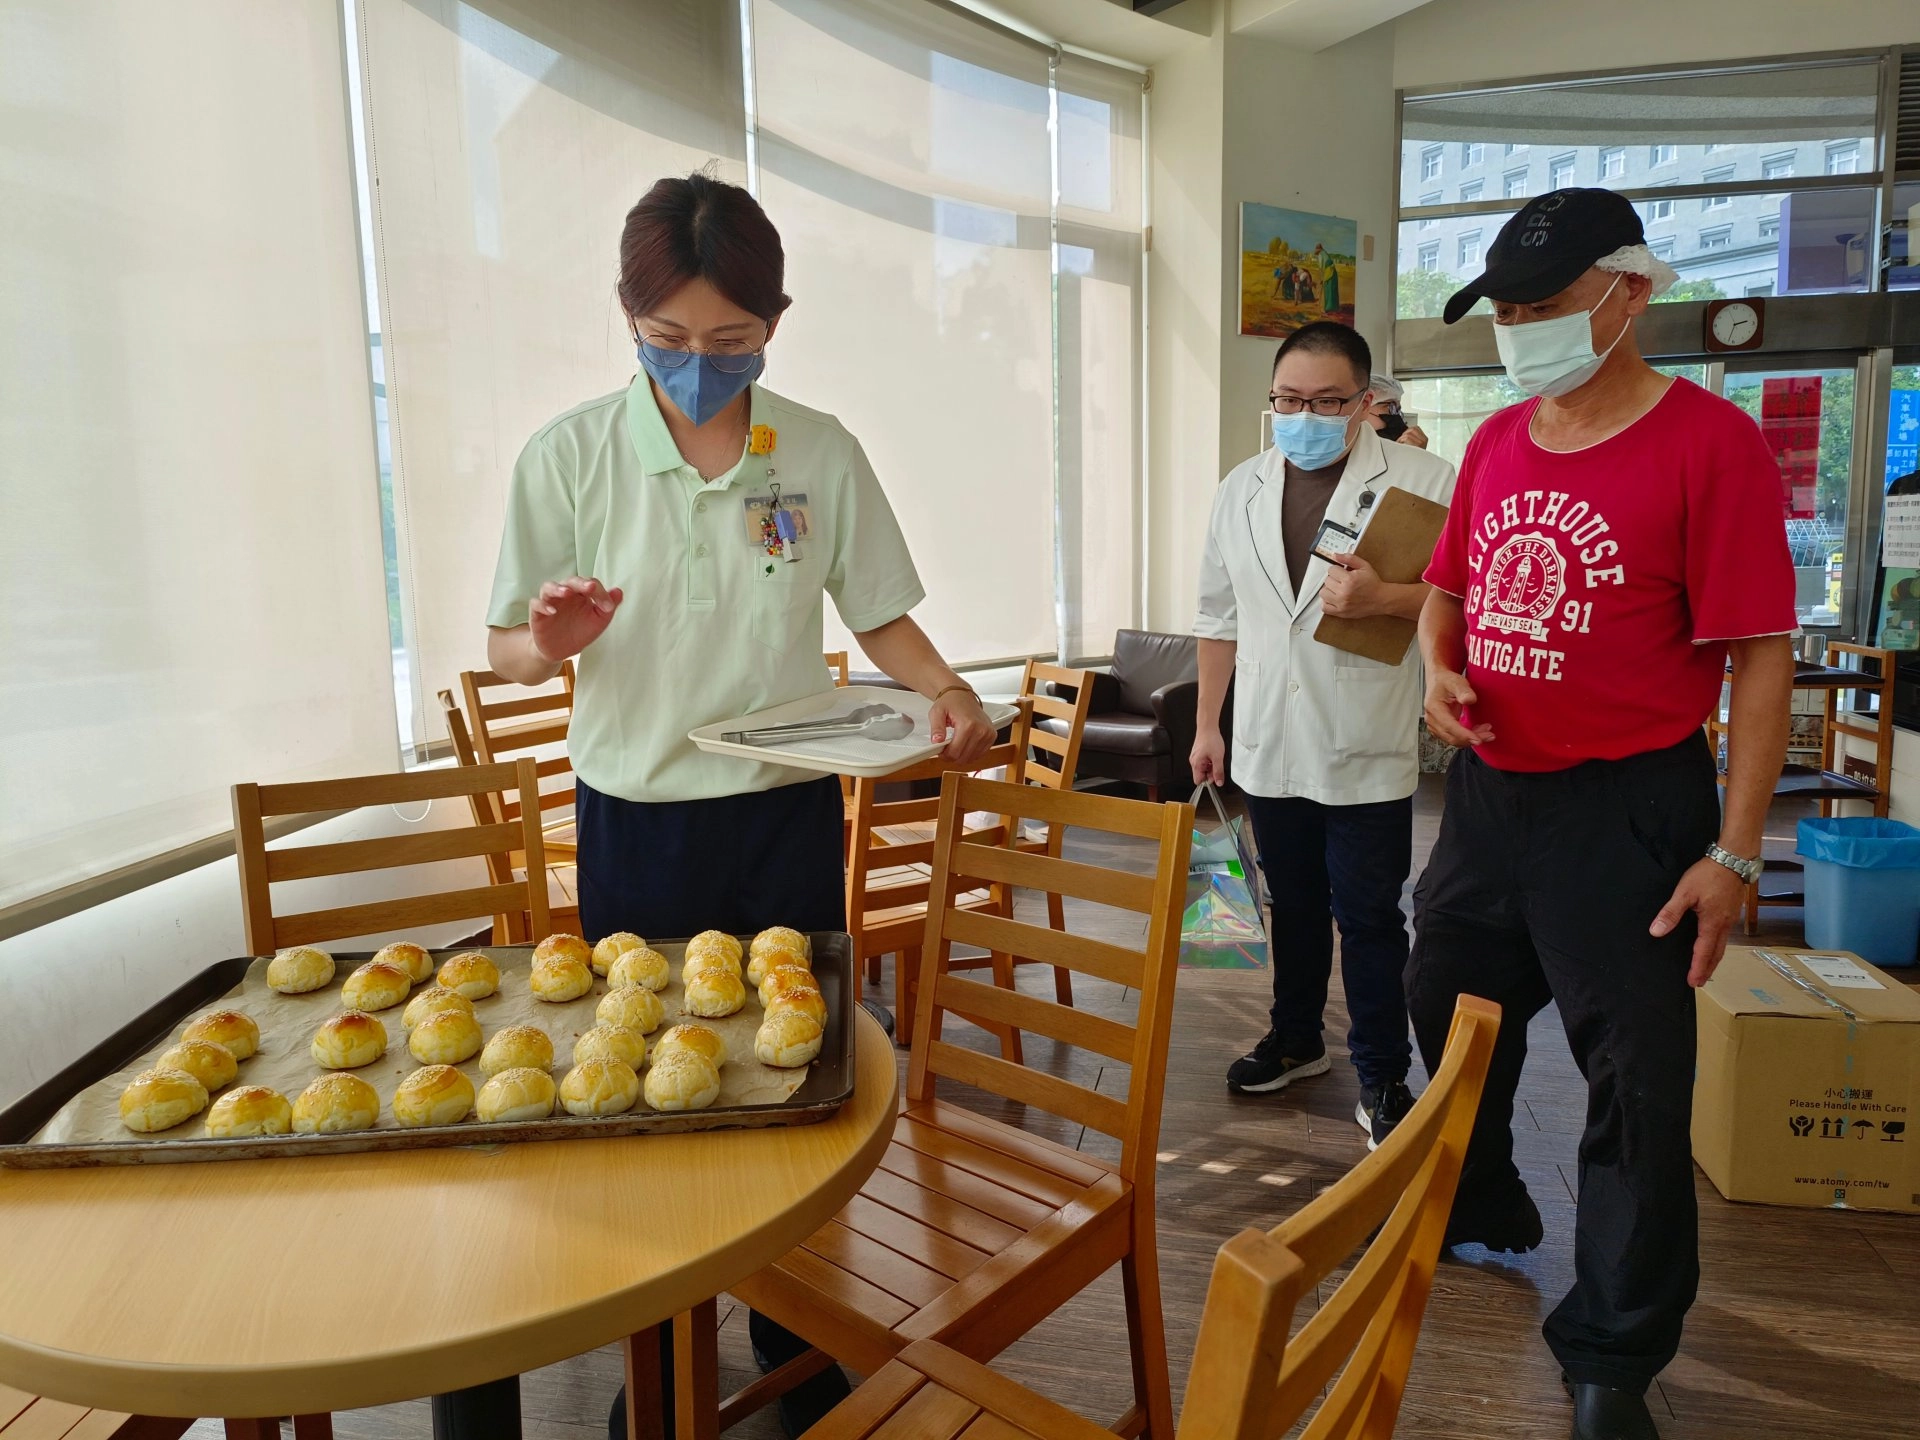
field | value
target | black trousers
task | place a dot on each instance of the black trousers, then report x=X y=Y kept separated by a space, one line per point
x=1345 y=863
x=1541 y=887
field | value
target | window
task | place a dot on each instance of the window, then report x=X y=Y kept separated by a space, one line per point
x=1430 y=199
x=1843 y=159
x=1469 y=249
x=1657 y=210
x=1713 y=147
x=1472 y=191
x=1430 y=160
x=1662 y=248
x=1717 y=202
x=1718 y=238
x=1769 y=227
x=1777 y=167
x=1763 y=289
x=1471 y=154
x=1613 y=163
x=1430 y=256
x=1515 y=184
x=1658 y=155
x=1560 y=172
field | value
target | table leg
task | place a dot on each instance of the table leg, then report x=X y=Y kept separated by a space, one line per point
x=313 y=1427
x=252 y=1429
x=480 y=1412
x=696 y=1373
x=645 y=1385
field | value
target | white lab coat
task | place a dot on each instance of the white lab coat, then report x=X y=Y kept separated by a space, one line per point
x=1310 y=720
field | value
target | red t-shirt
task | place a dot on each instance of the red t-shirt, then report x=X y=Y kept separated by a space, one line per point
x=1602 y=585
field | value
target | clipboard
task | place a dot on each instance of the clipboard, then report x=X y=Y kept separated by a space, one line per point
x=1398 y=542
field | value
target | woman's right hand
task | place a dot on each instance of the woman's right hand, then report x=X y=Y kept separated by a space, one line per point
x=569 y=615
x=1448 y=694
x=1209 y=759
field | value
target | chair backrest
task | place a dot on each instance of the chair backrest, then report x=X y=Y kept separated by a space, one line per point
x=961 y=863
x=837 y=663
x=1845 y=719
x=524 y=903
x=1250 y=1381
x=870 y=852
x=1146 y=660
x=506 y=729
x=1064 y=750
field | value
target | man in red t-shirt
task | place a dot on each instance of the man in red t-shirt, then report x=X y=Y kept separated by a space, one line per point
x=1611 y=542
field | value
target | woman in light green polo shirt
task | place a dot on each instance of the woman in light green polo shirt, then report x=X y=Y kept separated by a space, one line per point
x=638 y=538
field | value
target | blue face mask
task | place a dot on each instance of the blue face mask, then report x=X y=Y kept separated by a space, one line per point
x=1310 y=441
x=697 y=386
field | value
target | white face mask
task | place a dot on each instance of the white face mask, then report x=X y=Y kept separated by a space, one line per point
x=1554 y=357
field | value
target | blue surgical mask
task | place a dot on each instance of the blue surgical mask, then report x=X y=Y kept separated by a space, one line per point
x=1553 y=357
x=698 y=388
x=1310 y=441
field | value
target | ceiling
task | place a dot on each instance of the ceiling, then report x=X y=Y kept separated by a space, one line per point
x=1314 y=24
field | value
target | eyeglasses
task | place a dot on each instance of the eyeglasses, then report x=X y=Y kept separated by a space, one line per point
x=1320 y=405
x=729 y=357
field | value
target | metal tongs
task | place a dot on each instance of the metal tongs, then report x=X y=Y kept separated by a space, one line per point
x=868 y=722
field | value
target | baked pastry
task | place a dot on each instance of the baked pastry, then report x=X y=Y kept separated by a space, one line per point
x=632 y=1007
x=229 y=1028
x=764 y=960
x=522 y=1094
x=346 y=1042
x=434 y=1001
x=716 y=942
x=788 y=1039
x=781 y=937
x=785 y=977
x=470 y=974
x=518 y=1047
x=708 y=959
x=445 y=1039
x=600 y=1087
x=407 y=956
x=682 y=1080
x=807 y=1001
x=643 y=967
x=560 y=978
x=376 y=985
x=714 y=993
x=701 y=1039
x=610 y=1042
x=295 y=972
x=160 y=1100
x=334 y=1103
x=572 y=947
x=611 y=947
x=250 y=1110
x=212 y=1065
x=433 y=1095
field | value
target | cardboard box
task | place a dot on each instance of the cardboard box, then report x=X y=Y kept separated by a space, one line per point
x=1807 y=1081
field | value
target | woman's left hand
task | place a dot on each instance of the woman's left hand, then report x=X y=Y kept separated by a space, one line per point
x=960 y=721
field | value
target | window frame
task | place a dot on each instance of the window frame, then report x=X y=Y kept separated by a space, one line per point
x=1715 y=237
x=1608 y=155
x=1571 y=160
x=1433 y=160
x=1475 y=238
x=1506 y=185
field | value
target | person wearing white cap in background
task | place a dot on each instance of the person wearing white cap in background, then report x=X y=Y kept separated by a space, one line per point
x=1385 y=416
x=1611 y=542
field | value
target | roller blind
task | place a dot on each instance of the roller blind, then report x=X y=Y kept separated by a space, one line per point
x=507 y=142
x=190 y=559
x=904 y=153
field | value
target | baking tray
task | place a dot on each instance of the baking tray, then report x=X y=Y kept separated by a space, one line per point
x=866 y=759
x=828 y=1086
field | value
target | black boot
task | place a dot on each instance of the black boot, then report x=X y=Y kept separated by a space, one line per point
x=804 y=1406
x=1602 y=1413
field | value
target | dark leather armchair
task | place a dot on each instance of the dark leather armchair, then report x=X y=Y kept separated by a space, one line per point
x=1141 y=723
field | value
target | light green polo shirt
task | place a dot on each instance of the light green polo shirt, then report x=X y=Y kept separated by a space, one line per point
x=709 y=628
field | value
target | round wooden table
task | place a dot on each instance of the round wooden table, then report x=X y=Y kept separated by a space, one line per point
x=286 y=1287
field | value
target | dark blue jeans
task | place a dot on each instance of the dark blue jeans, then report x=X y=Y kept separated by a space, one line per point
x=1347 y=863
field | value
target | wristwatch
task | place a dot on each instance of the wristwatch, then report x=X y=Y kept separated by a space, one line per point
x=1747 y=870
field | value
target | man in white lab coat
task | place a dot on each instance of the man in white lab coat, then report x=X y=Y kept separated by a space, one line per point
x=1325 y=743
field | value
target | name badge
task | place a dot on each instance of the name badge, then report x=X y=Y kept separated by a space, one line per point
x=1333 y=540
x=776 y=524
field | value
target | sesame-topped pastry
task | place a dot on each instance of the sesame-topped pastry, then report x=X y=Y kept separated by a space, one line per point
x=719 y=942
x=248 y=1111
x=701 y=1039
x=470 y=974
x=787 y=1039
x=376 y=985
x=229 y=1028
x=409 y=957
x=643 y=967
x=336 y=1103
x=517 y=1047
x=633 y=1007
x=161 y=1099
x=434 y=1000
x=560 y=978
x=211 y=1064
x=346 y=1042
x=572 y=947
x=300 y=970
x=610 y=948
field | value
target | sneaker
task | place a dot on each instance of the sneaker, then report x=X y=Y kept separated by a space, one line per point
x=1381 y=1108
x=1269 y=1069
x=1511 y=1226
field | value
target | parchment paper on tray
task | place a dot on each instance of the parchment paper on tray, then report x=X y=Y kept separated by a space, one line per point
x=287 y=1023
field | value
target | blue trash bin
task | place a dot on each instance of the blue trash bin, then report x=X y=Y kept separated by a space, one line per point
x=1863 y=887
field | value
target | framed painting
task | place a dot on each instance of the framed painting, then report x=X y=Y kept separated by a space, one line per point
x=1295 y=268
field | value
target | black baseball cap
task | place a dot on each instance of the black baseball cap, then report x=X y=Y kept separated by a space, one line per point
x=1552 y=242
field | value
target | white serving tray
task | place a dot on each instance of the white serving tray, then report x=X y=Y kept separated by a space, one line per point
x=849 y=755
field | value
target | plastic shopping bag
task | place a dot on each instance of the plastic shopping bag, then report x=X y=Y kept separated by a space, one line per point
x=1223 y=927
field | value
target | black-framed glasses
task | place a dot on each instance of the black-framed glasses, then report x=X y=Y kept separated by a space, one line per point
x=675 y=353
x=1319 y=405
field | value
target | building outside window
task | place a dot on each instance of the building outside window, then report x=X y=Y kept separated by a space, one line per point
x=1613 y=163
x=1472 y=191
x=1716 y=202
x=1469 y=249
x=1514 y=148
x=1719 y=238
x=1770 y=227
x=1515 y=184
x=1471 y=154
x=1777 y=167
x=1432 y=199
x=1712 y=147
x=1430 y=162
x=1659 y=210
x=1430 y=256
x=1662 y=248
x=1843 y=159
x=1658 y=155
x=1559 y=172
x=1764 y=288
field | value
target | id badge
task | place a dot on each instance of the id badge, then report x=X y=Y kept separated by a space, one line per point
x=777 y=524
x=1334 y=540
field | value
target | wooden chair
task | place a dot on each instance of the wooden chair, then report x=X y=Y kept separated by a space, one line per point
x=500 y=731
x=1250 y=1381
x=837 y=663
x=972 y=1231
x=1054 y=767
x=523 y=902
x=28 y=1417
x=889 y=873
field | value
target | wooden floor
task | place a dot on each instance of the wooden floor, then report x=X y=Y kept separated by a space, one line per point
x=1807 y=1325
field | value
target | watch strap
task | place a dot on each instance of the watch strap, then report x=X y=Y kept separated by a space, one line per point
x=1747 y=870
